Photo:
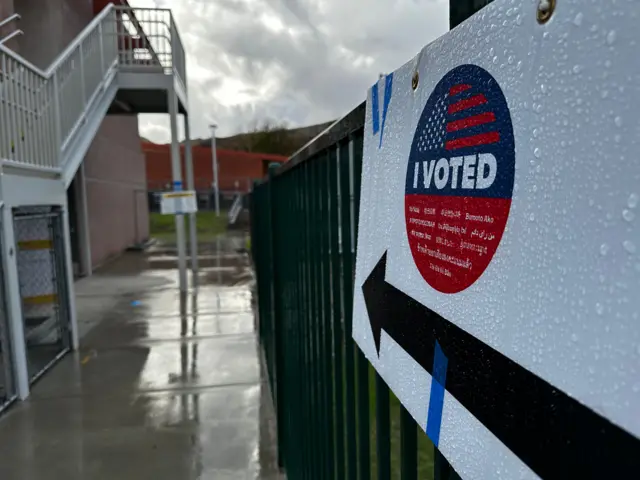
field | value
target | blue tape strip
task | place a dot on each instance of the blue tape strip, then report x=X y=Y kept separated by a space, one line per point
x=177 y=186
x=436 y=401
x=388 y=90
x=375 y=109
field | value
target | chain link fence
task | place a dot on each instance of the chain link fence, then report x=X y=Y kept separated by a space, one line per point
x=43 y=285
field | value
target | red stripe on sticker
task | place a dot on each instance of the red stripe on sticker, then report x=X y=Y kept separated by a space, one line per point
x=471 y=121
x=482 y=139
x=456 y=89
x=467 y=103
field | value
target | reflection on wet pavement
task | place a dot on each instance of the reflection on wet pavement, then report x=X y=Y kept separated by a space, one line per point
x=164 y=387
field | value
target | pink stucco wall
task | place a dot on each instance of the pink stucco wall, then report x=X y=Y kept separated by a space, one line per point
x=116 y=188
x=114 y=164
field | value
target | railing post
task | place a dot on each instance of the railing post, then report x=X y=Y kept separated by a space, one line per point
x=101 y=44
x=83 y=87
x=57 y=117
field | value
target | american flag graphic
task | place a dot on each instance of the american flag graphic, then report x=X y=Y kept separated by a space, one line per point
x=460 y=118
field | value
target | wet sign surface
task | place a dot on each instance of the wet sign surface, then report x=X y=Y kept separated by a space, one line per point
x=498 y=266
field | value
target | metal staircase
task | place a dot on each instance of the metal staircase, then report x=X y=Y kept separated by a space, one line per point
x=125 y=61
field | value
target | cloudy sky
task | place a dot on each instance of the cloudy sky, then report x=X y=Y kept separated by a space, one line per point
x=294 y=61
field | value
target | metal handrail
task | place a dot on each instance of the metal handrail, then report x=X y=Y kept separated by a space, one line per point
x=42 y=111
x=13 y=34
x=10 y=19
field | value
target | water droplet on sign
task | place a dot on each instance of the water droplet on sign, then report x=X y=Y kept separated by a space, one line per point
x=537 y=152
x=618 y=121
x=632 y=202
x=604 y=94
x=628 y=215
x=599 y=308
x=532 y=217
x=611 y=37
x=629 y=246
x=604 y=249
x=576 y=69
x=574 y=337
x=577 y=21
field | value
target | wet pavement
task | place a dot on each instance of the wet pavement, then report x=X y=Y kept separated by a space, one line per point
x=163 y=387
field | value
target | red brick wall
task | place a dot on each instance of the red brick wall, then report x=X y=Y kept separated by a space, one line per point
x=233 y=166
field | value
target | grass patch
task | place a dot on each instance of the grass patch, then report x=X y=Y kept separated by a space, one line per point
x=208 y=226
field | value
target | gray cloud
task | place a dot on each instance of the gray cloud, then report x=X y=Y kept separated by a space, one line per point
x=296 y=61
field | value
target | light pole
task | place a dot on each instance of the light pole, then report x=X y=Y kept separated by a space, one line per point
x=214 y=157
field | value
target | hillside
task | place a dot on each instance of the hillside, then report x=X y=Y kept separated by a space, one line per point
x=277 y=140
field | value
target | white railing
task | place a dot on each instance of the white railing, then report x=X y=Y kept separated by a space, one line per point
x=235 y=209
x=4 y=38
x=41 y=111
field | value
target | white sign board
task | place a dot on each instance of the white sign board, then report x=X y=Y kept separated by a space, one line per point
x=178 y=202
x=498 y=269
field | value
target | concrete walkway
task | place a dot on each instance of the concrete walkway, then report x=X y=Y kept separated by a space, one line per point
x=163 y=388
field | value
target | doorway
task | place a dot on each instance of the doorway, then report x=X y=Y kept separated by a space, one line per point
x=43 y=286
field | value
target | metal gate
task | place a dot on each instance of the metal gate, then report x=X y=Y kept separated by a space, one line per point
x=43 y=286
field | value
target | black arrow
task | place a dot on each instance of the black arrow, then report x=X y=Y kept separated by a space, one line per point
x=554 y=434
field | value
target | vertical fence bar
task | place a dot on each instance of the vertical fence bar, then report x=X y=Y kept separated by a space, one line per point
x=325 y=230
x=354 y=168
x=276 y=315
x=320 y=415
x=383 y=430
x=336 y=315
x=301 y=431
x=355 y=454
x=408 y=446
x=313 y=468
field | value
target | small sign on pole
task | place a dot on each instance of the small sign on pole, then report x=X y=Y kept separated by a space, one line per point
x=173 y=203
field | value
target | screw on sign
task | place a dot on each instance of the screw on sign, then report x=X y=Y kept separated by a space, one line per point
x=459 y=179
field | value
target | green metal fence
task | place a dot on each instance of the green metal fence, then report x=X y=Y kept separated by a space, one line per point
x=336 y=417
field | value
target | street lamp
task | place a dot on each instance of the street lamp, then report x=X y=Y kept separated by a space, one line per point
x=214 y=157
